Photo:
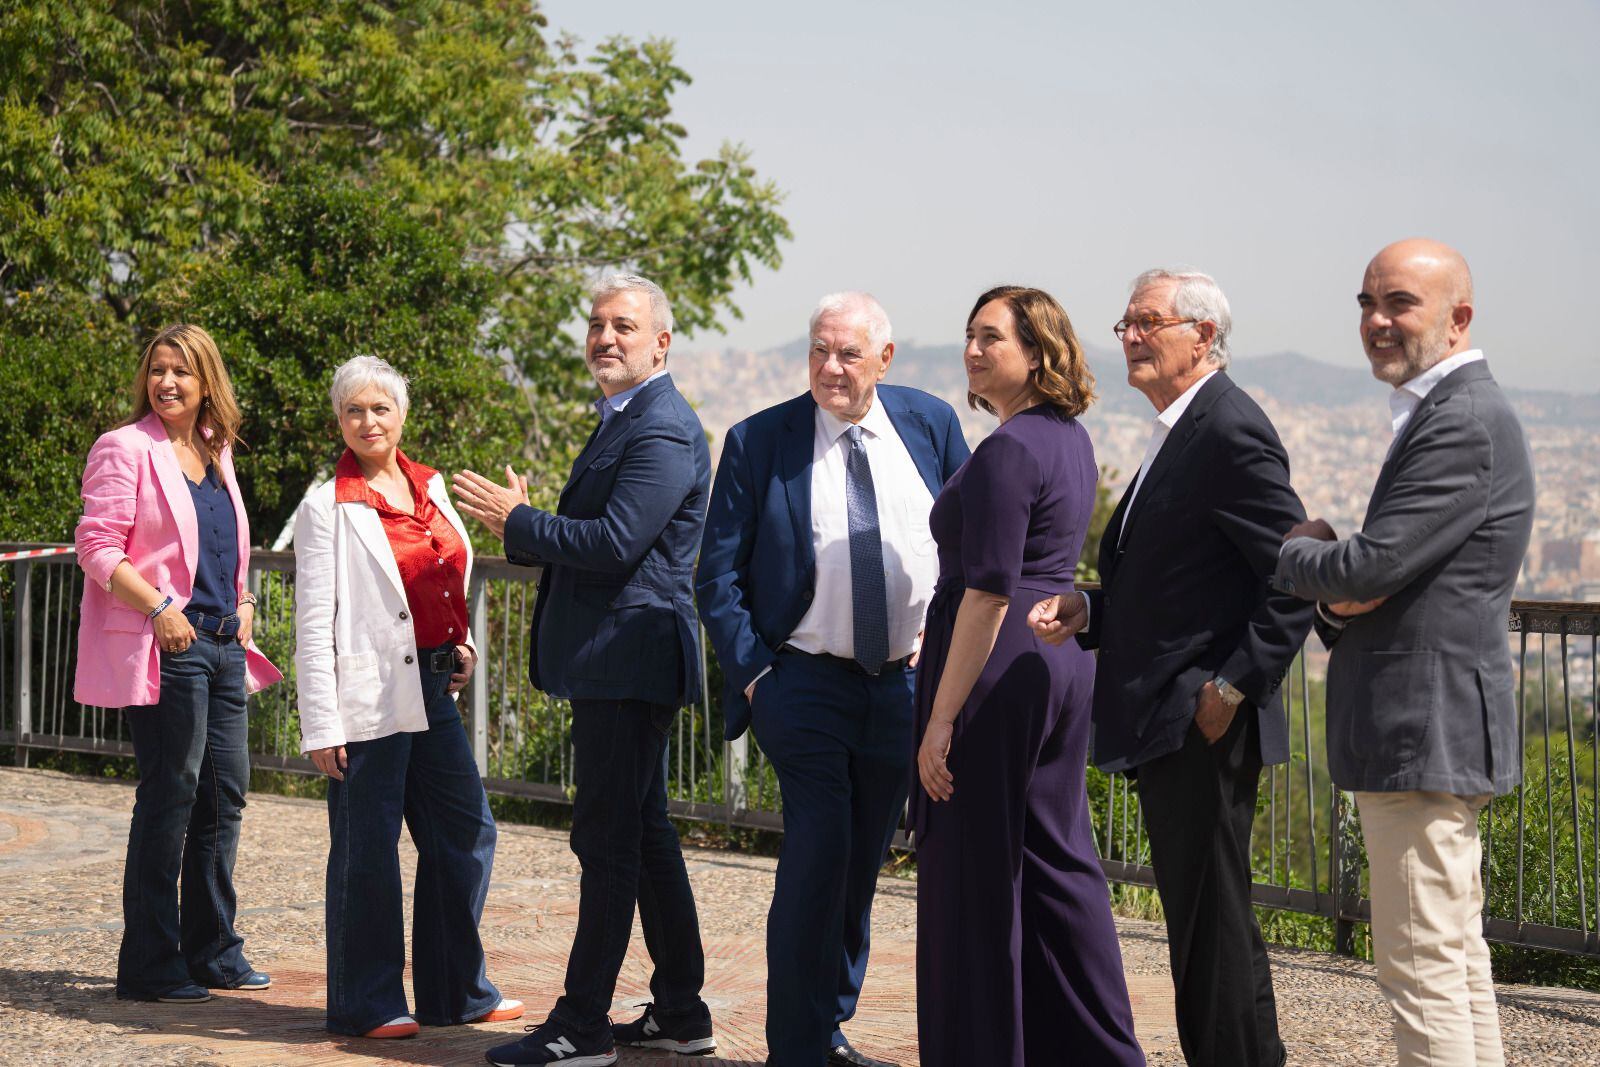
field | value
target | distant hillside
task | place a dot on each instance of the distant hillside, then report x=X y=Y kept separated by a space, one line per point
x=731 y=384
x=1295 y=379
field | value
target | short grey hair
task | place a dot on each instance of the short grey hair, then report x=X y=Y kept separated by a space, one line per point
x=854 y=301
x=359 y=372
x=1196 y=296
x=660 y=308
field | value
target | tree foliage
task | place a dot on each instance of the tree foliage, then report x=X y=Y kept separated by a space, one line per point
x=144 y=145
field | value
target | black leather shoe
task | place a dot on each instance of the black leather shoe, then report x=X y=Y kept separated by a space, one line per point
x=845 y=1055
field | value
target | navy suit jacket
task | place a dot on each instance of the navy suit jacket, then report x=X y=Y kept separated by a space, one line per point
x=615 y=615
x=1186 y=595
x=757 y=567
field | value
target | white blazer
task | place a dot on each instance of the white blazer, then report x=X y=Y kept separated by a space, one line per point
x=355 y=651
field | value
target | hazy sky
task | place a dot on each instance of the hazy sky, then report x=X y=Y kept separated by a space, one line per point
x=931 y=149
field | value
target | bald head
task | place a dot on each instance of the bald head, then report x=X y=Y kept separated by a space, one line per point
x=1416 y=308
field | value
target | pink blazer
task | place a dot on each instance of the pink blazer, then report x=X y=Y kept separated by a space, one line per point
x=136 y=507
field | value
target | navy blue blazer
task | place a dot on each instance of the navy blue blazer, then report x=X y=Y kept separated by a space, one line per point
x=615 y=615
x=1184 y=594
x=757 y=567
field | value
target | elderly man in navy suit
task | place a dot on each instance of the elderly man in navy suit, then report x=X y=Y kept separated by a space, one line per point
x=614 y=632
x=814 y=575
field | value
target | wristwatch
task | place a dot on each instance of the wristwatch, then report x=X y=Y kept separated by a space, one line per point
x=1230 y=696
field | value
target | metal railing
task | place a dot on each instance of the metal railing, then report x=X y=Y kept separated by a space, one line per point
x=1542 y=842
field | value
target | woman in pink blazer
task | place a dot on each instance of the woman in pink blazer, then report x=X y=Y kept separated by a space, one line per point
x=165 y=634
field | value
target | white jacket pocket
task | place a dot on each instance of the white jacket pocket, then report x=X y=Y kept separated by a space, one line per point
x=360 y=691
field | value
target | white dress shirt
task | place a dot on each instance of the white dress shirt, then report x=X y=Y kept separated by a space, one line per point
x=1159 y=430
x=1407 y=395
x=910 y=563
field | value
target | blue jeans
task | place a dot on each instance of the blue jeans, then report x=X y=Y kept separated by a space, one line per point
x=429 y=781
x=841 y=744
x=630 y=853
x=194 y=767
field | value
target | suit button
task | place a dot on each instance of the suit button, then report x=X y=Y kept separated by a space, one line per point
x=806 y=595
x=408 y=659
x=404 y=616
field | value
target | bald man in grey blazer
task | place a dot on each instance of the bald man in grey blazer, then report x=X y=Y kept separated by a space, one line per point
x=1422 y=723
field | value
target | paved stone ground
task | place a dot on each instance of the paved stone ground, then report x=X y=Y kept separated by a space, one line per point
x=61 y=849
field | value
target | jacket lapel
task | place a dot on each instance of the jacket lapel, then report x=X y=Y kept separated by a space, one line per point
x=368 y=525
x=440 y=495
x=1172 y=448
x=917 y=436
x=614 y=426
x=241 y=522
x=1453 y=383
x=795 y=452
x=1111 y=537
x=174 y=488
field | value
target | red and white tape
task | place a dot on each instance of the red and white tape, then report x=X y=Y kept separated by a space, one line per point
x=35 y=553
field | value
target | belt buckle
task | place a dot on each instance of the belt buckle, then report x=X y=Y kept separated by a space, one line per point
x=442 y=661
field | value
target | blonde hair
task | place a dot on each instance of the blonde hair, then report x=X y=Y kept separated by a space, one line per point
x=219 y=411
x=1062 y=378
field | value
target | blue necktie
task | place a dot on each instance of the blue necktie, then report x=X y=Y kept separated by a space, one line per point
x=867 y=594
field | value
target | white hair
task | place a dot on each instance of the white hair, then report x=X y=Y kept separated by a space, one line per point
x=1196 y=296
x=856 y=302
x=660 y=309
x=359 y=372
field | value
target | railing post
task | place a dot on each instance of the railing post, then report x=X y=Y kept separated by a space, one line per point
x=736 y=761
x=1345 y=873
x=22 y=660
x=478 y=691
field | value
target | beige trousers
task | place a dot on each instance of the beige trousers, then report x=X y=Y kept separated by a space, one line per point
x=1424 y=856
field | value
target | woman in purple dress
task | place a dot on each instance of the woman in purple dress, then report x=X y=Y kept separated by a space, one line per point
x=1017 y=955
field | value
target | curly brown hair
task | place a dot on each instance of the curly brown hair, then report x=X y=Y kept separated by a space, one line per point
x=1062 y=378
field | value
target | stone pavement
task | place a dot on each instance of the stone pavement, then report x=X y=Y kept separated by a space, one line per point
x=61 y=851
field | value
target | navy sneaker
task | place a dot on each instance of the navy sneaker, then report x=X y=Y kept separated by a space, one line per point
x=688 y=1036
x=253 y=980
x=550 y=1042
x=188 y=993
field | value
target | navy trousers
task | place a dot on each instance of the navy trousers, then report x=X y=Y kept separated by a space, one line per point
x=429 y=781
x=629 y=852
x=841 y=744
x=194 y=768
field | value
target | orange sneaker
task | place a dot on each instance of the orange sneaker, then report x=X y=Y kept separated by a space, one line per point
x=401 y=1026
x=502 y=1012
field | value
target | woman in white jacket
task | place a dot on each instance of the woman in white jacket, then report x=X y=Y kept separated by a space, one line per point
x=382 y=647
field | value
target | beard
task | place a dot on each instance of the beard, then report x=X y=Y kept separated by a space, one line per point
x=1418 y=352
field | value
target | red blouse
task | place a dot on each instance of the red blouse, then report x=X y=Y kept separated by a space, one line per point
x=429 y=552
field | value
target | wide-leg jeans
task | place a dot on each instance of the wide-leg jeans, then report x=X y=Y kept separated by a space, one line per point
x=194 y=768
x=429 y=781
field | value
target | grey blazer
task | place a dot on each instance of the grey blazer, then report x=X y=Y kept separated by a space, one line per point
x=1420 y=690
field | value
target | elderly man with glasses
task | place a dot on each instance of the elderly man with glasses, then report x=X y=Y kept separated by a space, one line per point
x=1193 y=647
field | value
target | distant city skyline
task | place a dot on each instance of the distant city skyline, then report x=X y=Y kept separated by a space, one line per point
x=929 y=150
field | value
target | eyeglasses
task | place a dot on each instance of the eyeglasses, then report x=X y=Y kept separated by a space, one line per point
x=1146 y=324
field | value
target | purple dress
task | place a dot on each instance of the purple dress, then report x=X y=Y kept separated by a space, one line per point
x=1017 y=955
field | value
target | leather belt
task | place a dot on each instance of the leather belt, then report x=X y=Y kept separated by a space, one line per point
x=440 y=660
x=848 y=664
x=226 y=626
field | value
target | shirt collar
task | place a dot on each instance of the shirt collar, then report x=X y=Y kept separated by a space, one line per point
x=1174 y=411
x=608 y=406
x=1407 y=395
x=350 y=485
x=875 y=422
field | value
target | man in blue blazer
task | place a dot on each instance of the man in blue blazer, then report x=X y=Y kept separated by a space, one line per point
x=814 y=576
x=614 y=633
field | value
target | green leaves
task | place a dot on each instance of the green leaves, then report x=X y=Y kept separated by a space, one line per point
x=161 y=158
